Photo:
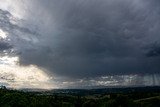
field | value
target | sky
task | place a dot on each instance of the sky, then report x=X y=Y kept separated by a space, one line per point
x=79 y=43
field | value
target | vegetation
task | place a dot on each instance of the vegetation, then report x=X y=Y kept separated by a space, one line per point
x=13 y=98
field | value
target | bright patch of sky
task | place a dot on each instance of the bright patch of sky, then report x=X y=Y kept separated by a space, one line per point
x=3 y=34
x=16 y=76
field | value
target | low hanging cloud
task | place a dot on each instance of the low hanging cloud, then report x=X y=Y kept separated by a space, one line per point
x=88 y=38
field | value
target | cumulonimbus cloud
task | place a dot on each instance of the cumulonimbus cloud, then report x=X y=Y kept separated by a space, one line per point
x=90 y=38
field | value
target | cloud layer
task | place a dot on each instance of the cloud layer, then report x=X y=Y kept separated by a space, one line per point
x=85 y=38
x=94 y=38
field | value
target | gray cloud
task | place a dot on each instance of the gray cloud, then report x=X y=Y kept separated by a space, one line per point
x=19 y=36
x=90 y=38
x=7 y=23
x=154 y=50
x=4 y=46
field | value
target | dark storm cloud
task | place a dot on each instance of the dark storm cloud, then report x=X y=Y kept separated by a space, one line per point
x=4 y=46
x=154 y=50
x=90 y=38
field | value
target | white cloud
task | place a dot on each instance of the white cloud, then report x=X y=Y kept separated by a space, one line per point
x=3 y=34
x=16 y=76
